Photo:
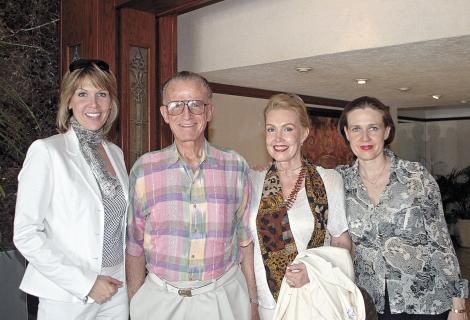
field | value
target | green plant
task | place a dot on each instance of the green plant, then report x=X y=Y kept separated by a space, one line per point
x=13 y=120
x=455 y=193
x=19 y=126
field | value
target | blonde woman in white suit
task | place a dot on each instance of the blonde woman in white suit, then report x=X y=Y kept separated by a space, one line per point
x=71 y=204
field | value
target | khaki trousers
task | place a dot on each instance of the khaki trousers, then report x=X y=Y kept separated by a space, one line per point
x=223 y=299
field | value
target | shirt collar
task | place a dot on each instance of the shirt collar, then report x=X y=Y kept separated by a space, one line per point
x=397 y=171
x=352 y=178
x=175 y=156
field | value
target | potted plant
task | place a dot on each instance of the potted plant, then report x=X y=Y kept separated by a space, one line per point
x=455 y=193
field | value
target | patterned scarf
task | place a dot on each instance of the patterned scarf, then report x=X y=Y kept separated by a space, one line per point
x=89 y=141
x=275 y=237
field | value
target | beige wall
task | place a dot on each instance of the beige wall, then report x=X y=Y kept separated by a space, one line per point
x=238 y=124
x=448 y=145
x=441 y=146
x=411 y=141
x=236 y=33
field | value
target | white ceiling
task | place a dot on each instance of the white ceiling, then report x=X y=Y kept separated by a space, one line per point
x=430 y=67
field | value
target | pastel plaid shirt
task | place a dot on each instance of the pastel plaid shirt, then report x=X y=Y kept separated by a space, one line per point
x=189 y=224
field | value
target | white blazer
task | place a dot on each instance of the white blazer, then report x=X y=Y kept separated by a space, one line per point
x=331 y=292
x=59 y=219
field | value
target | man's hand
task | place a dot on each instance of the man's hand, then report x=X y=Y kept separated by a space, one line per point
x=296 y=275
x=104 y=288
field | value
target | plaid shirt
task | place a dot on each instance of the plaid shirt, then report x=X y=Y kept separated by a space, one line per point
x=189 y=224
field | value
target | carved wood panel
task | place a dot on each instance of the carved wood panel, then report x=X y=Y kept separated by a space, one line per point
x=137 y=42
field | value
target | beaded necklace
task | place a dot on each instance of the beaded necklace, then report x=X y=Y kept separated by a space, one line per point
x=289 y=202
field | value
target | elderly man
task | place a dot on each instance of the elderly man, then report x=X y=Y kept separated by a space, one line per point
x=188 y=219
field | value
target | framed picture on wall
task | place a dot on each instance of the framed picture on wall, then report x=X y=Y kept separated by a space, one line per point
x=324 y=145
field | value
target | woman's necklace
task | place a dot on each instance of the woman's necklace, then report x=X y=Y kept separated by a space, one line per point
x=289 y=202
x=289 y=170
x=377 y=177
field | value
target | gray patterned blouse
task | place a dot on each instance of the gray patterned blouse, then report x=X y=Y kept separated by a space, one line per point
x=403 y=242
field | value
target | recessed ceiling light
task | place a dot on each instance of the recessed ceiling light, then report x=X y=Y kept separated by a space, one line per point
x=463 y=101
x=404 y=89
x=303 y=69
x=436 y=96
x=362 y=81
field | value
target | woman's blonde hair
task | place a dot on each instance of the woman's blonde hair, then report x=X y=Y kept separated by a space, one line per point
x=98 y=73
x=289 y=101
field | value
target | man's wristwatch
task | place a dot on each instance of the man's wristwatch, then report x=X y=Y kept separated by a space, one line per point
x=254 y=300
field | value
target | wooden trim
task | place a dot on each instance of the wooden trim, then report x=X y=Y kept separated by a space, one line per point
x=187 y=7
x=165 y=7
x=411 y=119
x=320 y=101
x=266 y=94
x=321 y=112
x=432 y=119
x=166 y=68
x=107 y=45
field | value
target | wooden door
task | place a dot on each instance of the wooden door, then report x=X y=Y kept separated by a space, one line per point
x=137 y=53
x=138 y=38
x=87 y=30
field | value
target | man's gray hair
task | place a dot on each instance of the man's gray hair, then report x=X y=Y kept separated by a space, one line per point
x=185 y=76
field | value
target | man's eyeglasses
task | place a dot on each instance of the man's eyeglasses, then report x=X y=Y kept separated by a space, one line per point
x=88 y=63
x=194 y=106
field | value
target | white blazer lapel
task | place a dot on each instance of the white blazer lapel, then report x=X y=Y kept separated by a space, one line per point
x=119 y=167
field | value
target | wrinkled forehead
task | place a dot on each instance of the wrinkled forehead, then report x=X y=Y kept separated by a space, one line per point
x=185 y=89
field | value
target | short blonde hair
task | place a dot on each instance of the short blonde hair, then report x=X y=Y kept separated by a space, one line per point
x=289 y=101
x=72 y=80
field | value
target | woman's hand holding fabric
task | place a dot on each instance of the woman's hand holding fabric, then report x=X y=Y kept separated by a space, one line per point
x=296 y=275
x=104 y=288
